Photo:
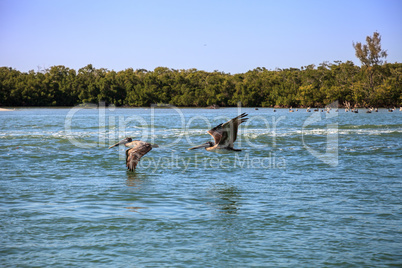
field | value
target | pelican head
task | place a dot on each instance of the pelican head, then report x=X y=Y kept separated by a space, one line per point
x=204 y=145
x=124 y=141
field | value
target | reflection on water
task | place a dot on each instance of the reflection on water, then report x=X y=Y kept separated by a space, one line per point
x=227 y=227
x=225 y=198
x=135 y=209
x=135 y=180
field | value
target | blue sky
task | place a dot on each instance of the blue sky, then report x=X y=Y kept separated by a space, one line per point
x=229 y=36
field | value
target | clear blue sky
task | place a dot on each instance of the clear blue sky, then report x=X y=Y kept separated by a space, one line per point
x=226 y=35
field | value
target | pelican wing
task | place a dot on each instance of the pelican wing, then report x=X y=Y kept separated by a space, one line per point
x=216 y=133
x=134 y=154
x=225 y=134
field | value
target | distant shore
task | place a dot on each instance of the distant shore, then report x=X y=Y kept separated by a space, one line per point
x=6 y=110
x=9 y=109
x=310 y=86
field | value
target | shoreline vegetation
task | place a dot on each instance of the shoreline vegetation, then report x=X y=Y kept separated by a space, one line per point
x=274 y=109
x=375 y=84
x=309 y=86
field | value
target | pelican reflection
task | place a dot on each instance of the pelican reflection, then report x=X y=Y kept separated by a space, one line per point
x=226 y=199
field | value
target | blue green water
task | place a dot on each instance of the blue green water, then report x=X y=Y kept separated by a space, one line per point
x=307 y=189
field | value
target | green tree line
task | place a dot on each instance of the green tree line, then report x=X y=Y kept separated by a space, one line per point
x=308 y=86
x=373 y=84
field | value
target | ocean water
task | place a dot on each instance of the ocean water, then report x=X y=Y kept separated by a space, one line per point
x=307 y=190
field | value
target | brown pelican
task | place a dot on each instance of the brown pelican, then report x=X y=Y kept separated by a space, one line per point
x=137 y=150
x=224 y=135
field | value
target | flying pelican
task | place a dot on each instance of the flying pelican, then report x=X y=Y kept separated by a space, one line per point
x=224 y=135
x=137 y=150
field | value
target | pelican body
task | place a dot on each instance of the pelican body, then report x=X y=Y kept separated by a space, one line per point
x=137 y=149
x=224 y=135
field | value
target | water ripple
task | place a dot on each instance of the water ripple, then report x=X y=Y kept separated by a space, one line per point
x=272 y=203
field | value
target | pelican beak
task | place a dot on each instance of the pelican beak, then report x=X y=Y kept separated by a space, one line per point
x=204 y=145
x=119 y=143
x=114 y=145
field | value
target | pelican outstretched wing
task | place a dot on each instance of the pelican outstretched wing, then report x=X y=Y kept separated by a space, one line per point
x=134 y=154
x=225 y=134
